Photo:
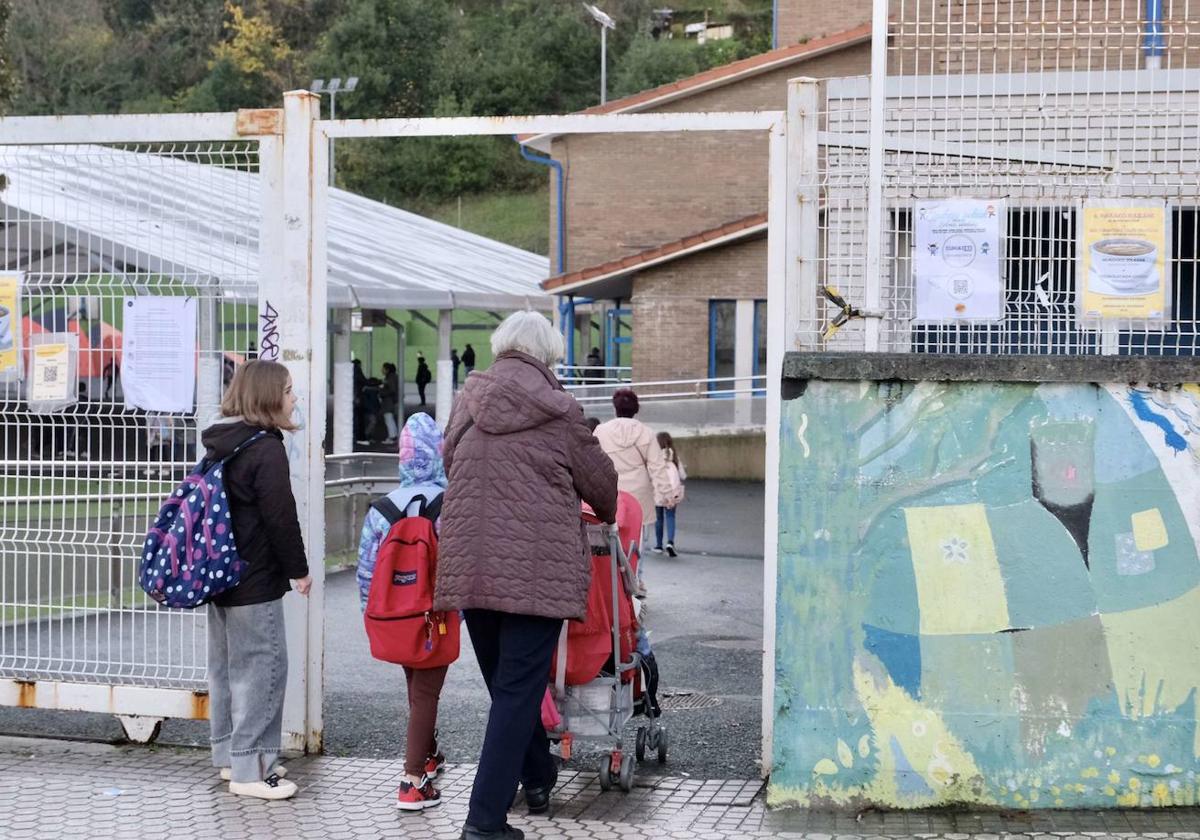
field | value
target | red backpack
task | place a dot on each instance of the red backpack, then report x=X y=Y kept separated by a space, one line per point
x=401 y=623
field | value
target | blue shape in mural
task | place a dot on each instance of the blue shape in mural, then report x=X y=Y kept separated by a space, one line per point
x=908 y=781
x=900 y=653
x=1144 y=412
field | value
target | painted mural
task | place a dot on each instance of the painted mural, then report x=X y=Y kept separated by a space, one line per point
x=988 y=594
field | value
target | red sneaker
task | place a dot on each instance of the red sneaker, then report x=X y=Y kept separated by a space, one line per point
x=412 y=797
x=434 y=765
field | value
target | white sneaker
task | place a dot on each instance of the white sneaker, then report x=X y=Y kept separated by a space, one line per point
x=671 y=552
x=271 y=787
x=279 y=770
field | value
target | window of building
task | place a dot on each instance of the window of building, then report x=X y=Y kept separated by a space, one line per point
x=722 y=341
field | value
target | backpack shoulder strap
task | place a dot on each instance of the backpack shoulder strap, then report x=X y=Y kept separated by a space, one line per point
x=387 y=508
x=432 y=510
x=254 y=438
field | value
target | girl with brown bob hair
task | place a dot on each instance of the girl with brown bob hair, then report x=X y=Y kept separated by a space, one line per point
x=247 y=645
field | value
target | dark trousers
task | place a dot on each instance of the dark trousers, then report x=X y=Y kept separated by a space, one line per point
x=424 y=689
x=421 y=391
x=514 y=653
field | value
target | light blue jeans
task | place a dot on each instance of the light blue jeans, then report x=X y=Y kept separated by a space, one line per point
x=247 y=675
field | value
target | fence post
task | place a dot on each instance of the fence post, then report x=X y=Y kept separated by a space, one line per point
x=872 y=292
x=293 y=331
x=779 y=238
x=343 y=384
x=804 y=212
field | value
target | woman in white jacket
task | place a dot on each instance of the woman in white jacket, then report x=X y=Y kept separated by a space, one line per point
x=664 y=506
x=641 y=467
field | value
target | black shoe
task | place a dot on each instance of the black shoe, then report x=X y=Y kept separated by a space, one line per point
x=470 y=832
x=537 y=799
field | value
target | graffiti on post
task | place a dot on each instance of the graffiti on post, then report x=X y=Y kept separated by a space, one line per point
x=988 y=593
x=268 y=333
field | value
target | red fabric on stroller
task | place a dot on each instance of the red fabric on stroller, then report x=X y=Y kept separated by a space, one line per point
x=589 y=642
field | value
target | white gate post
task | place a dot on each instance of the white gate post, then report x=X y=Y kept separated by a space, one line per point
x=872 y=291
x=292 y=330
x=804 y=212
x=445 y=370
x=343 y=385
x=780 y=246
x=744 y=354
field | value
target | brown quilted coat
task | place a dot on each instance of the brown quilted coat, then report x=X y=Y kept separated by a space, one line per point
x=519 y=458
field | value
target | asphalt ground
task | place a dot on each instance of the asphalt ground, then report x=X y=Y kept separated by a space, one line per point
x=704 y=612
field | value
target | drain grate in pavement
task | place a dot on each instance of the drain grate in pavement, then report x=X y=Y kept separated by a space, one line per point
x=686 y=699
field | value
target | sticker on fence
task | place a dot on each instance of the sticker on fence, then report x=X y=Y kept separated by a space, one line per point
x=50 y=386
x=159 y=370
x=956 y=259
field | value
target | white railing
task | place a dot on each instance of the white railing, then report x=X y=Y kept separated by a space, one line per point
x=713 y=387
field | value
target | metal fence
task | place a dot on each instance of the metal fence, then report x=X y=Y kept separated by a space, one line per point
x=1038 y=106
x=87 y=227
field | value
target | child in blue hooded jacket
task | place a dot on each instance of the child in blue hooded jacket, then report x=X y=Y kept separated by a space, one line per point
x=421 y=474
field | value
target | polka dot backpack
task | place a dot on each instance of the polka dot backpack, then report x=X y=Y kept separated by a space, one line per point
x=189 y=556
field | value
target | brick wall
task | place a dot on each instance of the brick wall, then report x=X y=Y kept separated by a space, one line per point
x=630 y=192
x=1003 y=36
x=671 y=306
x=803 y=20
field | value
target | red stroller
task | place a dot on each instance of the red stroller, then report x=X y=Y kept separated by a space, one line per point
x=599 y=680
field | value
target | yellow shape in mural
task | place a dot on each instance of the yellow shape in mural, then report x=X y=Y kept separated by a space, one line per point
x=927 y=745
x=1153 y=667
x=959 y=587
x=1149 y=530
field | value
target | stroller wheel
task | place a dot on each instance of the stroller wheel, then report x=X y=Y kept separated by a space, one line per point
x=606 y=779
x=640 y=749
x=662 y=746
x=626 y=779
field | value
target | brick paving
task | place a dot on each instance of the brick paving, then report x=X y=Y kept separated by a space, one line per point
x=55 y=789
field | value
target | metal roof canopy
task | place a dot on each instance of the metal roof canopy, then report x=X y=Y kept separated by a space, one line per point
x=161 y=214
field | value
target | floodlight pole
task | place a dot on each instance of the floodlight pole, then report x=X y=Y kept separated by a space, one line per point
x=603 y=64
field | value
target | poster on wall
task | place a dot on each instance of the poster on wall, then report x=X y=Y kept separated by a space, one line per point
x=1122 y=260
x=158 y=368
x=10 y=325
x=956 y=259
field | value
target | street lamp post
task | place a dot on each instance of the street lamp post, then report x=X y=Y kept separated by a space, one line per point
x=606 y=23
x=333 y=88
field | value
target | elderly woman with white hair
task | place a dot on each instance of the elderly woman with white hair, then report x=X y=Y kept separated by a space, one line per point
x=513 y=552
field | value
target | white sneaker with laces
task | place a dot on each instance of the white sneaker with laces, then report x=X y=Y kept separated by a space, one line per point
x=271 y=787
x=671 y=552
x=279 y=770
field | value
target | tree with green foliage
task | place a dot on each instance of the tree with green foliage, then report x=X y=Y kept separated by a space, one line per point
x=8 y=79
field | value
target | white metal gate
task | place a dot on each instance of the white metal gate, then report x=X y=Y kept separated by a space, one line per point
x=95 y=210
x=228 y=209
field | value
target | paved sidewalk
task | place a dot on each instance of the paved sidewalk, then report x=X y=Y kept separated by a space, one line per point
x=55 y=789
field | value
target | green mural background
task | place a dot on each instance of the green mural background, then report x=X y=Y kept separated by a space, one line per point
x=988 y=593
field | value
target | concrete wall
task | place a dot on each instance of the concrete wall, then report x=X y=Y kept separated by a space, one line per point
x=988 y=593
x=731 y=456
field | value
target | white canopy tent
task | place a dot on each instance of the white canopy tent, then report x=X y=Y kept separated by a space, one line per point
x=192 y=214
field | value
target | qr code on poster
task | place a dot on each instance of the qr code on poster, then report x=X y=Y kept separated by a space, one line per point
x=50 y=375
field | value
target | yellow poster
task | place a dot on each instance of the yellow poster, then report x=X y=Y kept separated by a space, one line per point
x=1122 y=256
x=10 y=325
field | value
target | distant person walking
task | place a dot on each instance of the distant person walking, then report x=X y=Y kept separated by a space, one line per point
x=641 y=467
x=360 y=385
x=514 y=550
x=422 y=479
x=455 y=361
x=468 y=359
x=594 y=373
x=389 y=395
x=247 y=643
x=424 y=377
x=665 y=506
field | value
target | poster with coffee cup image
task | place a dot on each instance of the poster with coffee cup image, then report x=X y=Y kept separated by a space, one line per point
x=1121 y=253
x=10 y=326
